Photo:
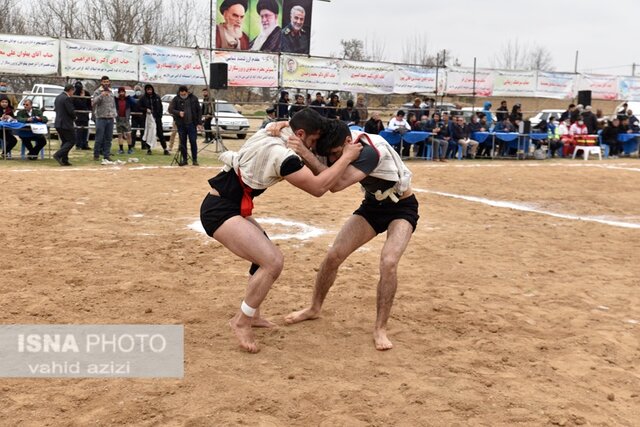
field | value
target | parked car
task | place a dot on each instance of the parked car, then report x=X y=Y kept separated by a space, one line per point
x=230 y=120
x=440 y=107
x=42 y=97
x=545 y=115
x=633 y=106
x=467 y=112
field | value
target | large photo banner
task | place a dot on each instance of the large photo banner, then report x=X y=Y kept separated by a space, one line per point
x=173 y=65
x=461 y=82
x=310 y=73
x=514 y=83
x=35 y=55
x=246 y=69
x=366 y=77
x=629 y=88
x=263 y=25
x=93 y=59
x=601 y=87
x=415 y=79
x=555 y=85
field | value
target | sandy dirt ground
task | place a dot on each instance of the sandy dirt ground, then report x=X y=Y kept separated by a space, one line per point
x=502 y=317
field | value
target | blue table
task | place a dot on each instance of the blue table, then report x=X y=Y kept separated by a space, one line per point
x=10 y=126
x=629 y=142
x=411 y=137
x=519 y=141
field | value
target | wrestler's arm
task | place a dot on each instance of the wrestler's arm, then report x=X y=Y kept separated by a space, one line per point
x=317 y=185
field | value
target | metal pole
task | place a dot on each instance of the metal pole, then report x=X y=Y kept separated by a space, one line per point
x=436 y=91
x=211 y=21
x=473 y=99
x=633 y=69
x=575 y=67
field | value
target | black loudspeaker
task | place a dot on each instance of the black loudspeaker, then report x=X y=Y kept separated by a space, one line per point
x=584 y=97
x=219 y=75
x=527 y=127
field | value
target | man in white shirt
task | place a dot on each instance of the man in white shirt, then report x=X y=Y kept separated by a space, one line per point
x=399 y=124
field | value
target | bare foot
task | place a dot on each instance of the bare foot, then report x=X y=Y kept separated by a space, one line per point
x=301 y=316
x=261 y=322
x=244 y=335
x=381 y=341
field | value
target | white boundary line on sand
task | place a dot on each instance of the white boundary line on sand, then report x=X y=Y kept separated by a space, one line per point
x=305 y=231
x=529 y=208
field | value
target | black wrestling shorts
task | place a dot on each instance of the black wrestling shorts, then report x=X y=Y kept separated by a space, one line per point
x=215 y=210
x=380 y=214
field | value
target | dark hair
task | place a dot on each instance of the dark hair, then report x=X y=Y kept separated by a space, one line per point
x=334 y=134
x=306 y=119
x=104 y=78
x=68 y=87
x=183 y=89
x=350 y=103
x=400 y=113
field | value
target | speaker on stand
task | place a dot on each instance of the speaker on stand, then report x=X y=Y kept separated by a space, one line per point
x=218 y=79
x=584 y=97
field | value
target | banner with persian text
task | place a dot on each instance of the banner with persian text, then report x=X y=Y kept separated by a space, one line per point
x=173 y=65
x=250 y=69
x=460 y=81
x=416 y=79
x=601 y=87
x=310 y=73
x=555 y=85
x=629 y=88
x=514 y=83
x=93 y=59
x=366 y=77
x=37 y=55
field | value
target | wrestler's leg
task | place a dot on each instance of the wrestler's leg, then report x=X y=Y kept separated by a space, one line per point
x=247 y=241
x=353 y=234
x=398 y=236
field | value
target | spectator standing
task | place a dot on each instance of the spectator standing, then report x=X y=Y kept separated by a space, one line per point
x=207 y=115
x=150 y=103
x=486 y=110
x=416 y=108
x=82 y=104
x=576 y=114
x=28 y=116
x=502 y=112
x=283 y=105
x=634 y=125
x=363 y=111
x=602 y=120
x=590 y=120
x=333 y=106
x=138 y=117
x=105 y=113
x=319 y=105
x=64 y=124
x=516 y=115
x=622 y=111
x=298 y=105
x=124 y=103
x=186 y=111
x=5 y=92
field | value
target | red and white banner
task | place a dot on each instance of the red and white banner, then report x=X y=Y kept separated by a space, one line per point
x=601 y=87
x=460 y=81
x=92 y=59
x=250 y=69
x=28 y=54
x=366 y=77
x=514 y=83
x=416 y=80
x=555 y=85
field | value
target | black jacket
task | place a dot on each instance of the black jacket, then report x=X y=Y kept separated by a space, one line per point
x=610 y=134
x=82 y=107
x=191 y=108
x=152 y=103
x=65 y=112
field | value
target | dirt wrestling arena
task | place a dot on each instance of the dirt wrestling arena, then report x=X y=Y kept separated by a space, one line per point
x=518 y=299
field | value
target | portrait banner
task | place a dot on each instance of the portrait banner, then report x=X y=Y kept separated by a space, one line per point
x=173 y=65
x=514 y=83
x=310 y=73
x=263 y=26
x=38 y=55
x=555 y=85
x=415 y=79
x=629 y=88
x=93 y=59
x=246 y=69
x=366 y=77
x=460 y=81
x=601 y=87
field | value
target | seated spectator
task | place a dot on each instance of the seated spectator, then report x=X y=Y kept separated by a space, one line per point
x=555 y=143
x=28 y=116
x=350 y=115
x=374 y=125
x=610 y=137
x=634 y=125
x=504 y=126
x=416 y=108
x=578 y=128
x=602 y=120
x=439 y=143
x=398 y=124
x=445 y=134
x=6 y=115
x=484 y=148
x=460 y=134
x=271 y=117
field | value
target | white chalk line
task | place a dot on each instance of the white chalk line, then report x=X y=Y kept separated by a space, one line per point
x=304 y=231
x=529 y=208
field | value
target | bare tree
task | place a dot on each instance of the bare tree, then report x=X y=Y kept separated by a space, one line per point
x=374 y=49
x=353 y=49
x=515 y=56
x=12 y=17
x=415 y=50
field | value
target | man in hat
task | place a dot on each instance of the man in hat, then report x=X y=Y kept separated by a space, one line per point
x=269 y=38
x=271 y=117
x=229 y=34
x=294 y=38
